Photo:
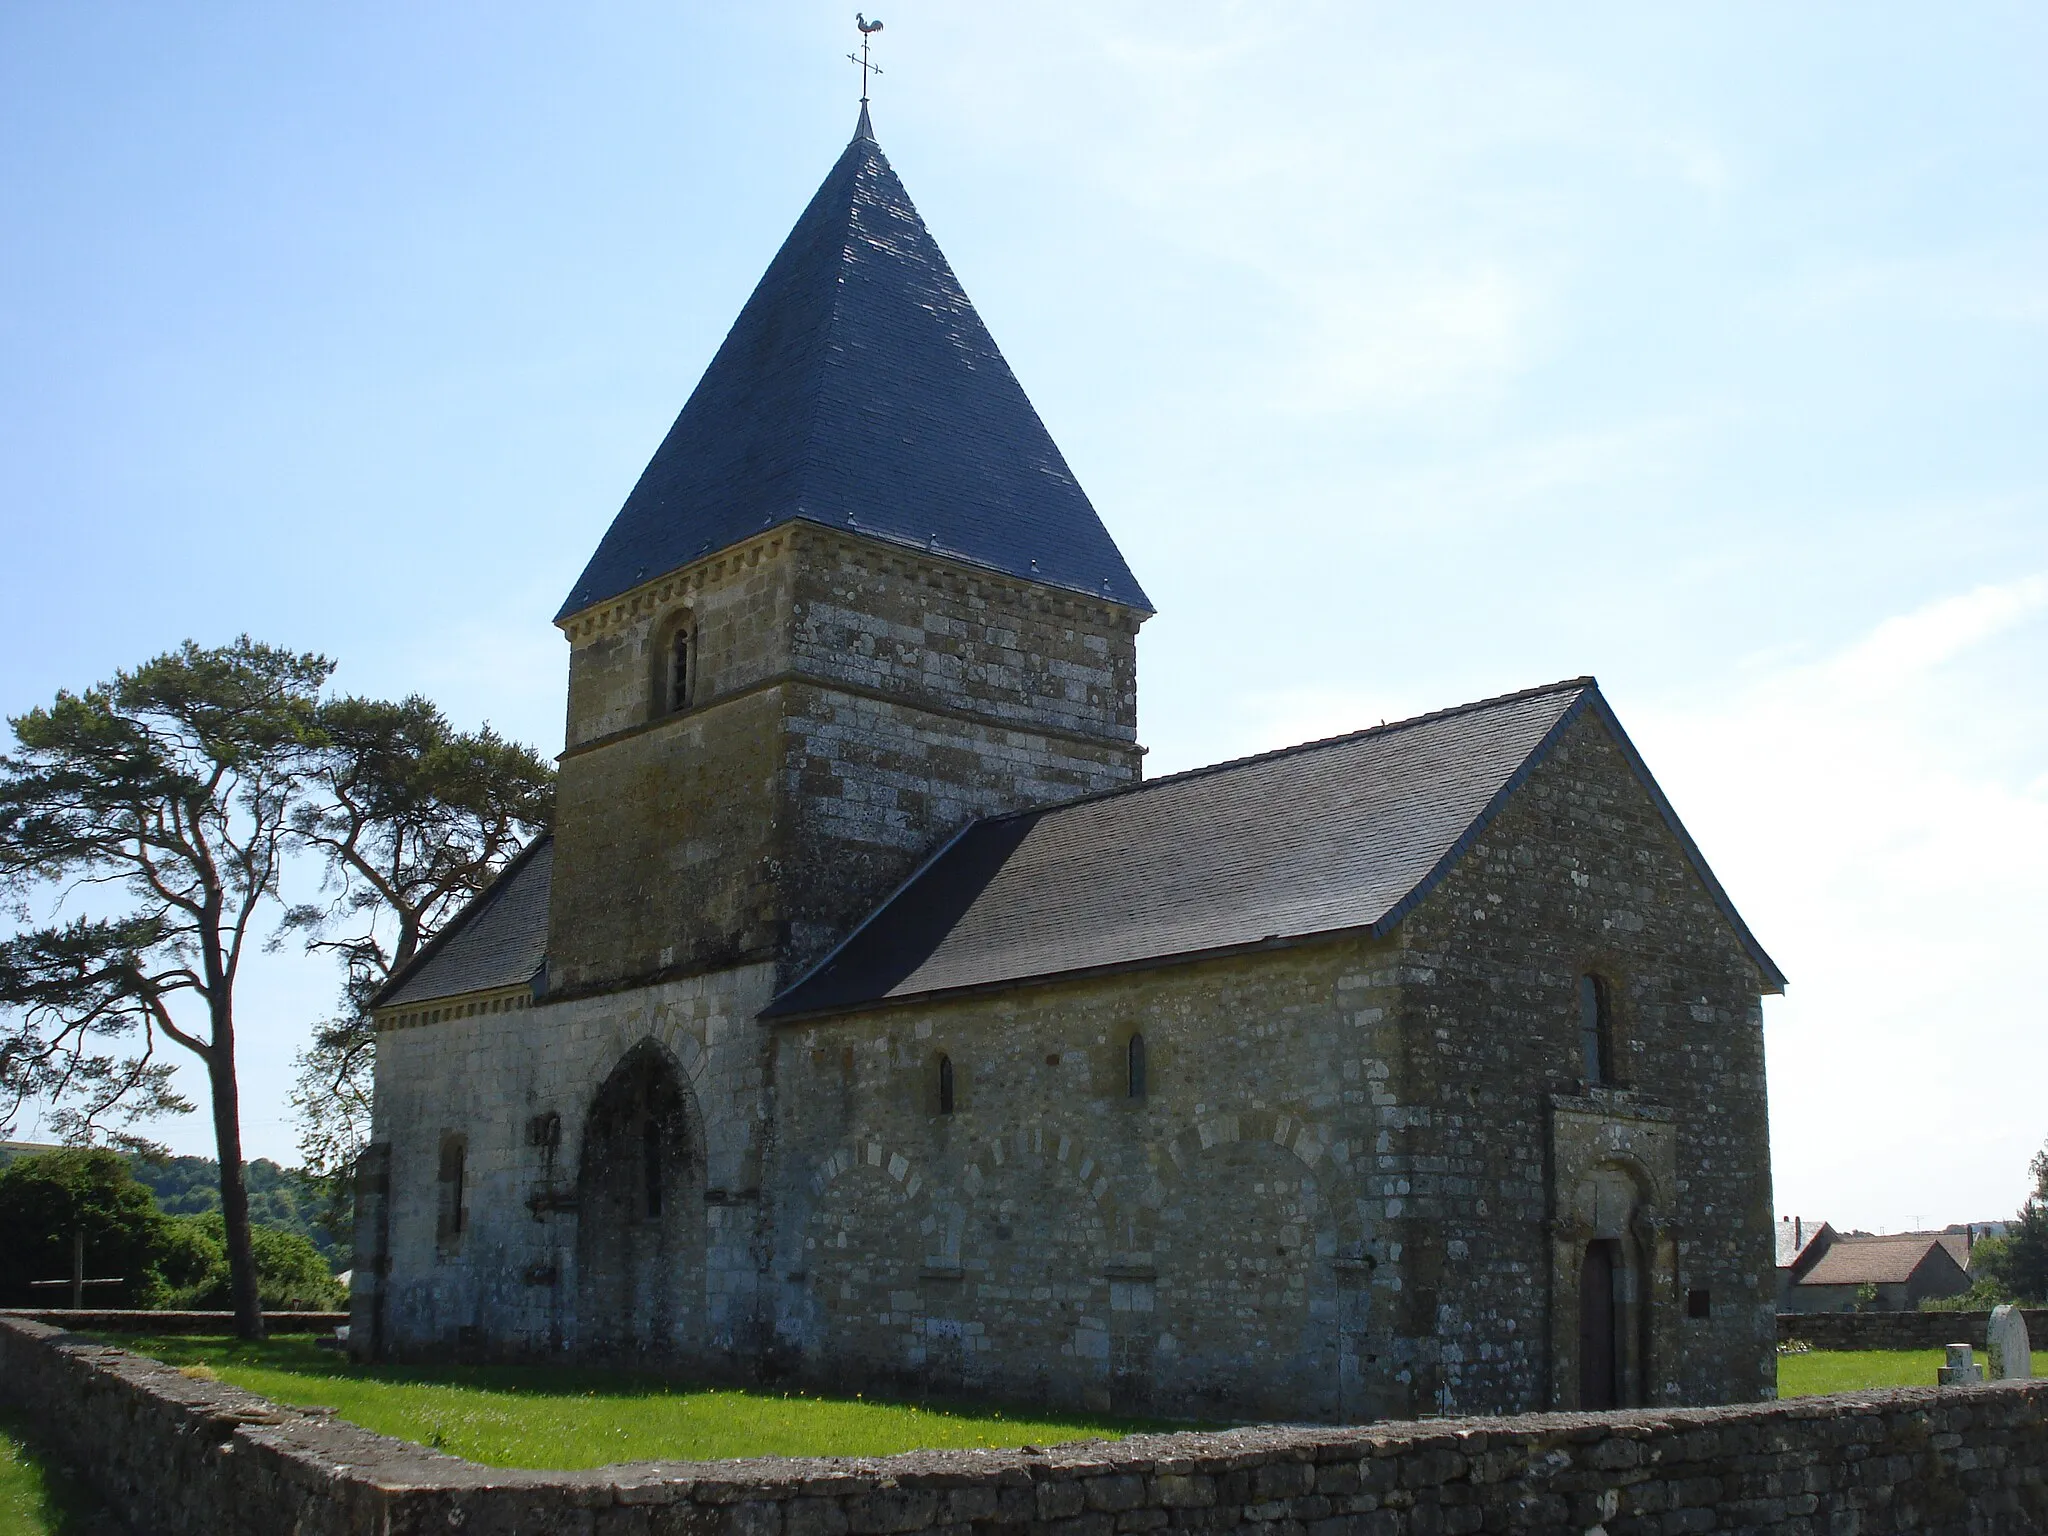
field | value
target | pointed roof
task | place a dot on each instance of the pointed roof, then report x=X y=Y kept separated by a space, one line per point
x=859 y=390
x=1345 y=835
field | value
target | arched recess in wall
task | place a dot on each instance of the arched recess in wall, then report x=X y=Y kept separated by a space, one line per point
x=1613 y=1275
x=864 y=1239
x=1262 y=1253
x=1033 y=1231
x=640 y=1238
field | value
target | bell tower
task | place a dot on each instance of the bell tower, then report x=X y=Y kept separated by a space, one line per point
x=855 y=601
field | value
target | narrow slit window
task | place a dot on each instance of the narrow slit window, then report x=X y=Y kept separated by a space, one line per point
x=453 y=1216
x=1596 y=1031
x=1134 y=1068
x=945 y=1085
x=679 y=669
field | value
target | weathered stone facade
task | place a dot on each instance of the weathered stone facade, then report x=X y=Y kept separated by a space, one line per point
x=850 y=706
x=890 y=1030
x=1356 y=1185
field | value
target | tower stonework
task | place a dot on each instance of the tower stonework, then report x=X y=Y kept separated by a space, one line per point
x=851 y=706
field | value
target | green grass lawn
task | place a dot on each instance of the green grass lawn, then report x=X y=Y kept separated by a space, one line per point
x=558 y=1417
x=1858 y=1370
x=39 y=1495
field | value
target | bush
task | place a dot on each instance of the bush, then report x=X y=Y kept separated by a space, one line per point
x=47 y=1197
x=291 y=1276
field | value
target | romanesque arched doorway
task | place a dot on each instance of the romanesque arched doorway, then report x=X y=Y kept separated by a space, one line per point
x=1613 y=1288
x=640 y=1212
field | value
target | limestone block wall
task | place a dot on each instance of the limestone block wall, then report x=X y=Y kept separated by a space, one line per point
x=518 y=1089
x=1210 y=1248
x=949 y=636
x=1579 y=874
x=853 y=706
x=1362 y=1178
x=739 y=604
x=667 y=847
x=872 y=787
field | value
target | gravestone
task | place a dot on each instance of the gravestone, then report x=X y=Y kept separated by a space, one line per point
x=2011 y=1358
x=1961 y=1370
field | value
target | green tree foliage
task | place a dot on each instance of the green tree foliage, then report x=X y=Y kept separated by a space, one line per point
x=283 y=1198
x=412 y=819
x=164 y=799
x=2019 y=1262
x=291 y=1274
x=46 y=1198
x=162 y=1260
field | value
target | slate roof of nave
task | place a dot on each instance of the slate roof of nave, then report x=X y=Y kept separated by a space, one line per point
x=1345 y=834
x=1348 y=834
x=498 y=940
x=860 y=390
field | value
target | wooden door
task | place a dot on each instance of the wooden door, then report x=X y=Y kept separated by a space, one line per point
x=1599 y=1358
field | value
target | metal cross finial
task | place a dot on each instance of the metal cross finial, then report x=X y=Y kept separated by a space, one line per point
x=867 y=30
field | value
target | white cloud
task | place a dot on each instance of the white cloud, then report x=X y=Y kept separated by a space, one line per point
x=1870 y=814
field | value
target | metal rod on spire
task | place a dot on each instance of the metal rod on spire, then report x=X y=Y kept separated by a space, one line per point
x=867 y=29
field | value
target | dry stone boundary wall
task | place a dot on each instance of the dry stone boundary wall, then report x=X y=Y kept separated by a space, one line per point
x=1900 y=1330
x=178 y=1456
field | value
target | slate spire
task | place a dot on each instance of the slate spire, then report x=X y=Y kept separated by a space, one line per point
x=859 y=390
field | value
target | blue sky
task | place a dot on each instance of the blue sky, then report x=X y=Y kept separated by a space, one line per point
x=1411 y=354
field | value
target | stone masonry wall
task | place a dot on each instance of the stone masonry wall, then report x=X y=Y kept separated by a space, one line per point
x=512 y=1283
x=1205 y=1250
x=178 y=1456
x=1900 y=1330
x=953 y=638
x=1579 y=874
x=853 y=706
x=1349 y=1190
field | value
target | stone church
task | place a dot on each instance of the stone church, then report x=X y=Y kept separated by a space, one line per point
x=869 y=1019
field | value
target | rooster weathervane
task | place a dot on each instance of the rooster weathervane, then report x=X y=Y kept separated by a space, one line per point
x=867 y=30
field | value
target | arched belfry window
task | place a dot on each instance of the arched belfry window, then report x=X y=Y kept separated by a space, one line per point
x=1134 y=1068
x=1596 y=1031
x=679 y=659
x=945 y=1084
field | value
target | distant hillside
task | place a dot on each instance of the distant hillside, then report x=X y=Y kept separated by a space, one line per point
x=278 y=1197
x=190 y=1186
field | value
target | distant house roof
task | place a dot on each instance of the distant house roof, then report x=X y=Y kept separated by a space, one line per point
x=1345 y=834
x=1877 y=1260
x=859 y=390
x=1796 y=1235
x=498 y=940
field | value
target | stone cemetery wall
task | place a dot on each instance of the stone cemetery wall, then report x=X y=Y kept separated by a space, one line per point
x=112 y=1320
x=178 y=1455
x=1899 y=1330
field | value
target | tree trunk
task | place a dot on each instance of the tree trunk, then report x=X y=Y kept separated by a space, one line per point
x=234 y=1190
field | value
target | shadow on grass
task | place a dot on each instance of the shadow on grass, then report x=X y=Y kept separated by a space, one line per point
x=41 y=1494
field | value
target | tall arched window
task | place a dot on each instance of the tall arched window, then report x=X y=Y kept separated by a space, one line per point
x=453 y=1214
x=1134 y=1068
x=945 y=1084
x=679 y=669
x=650 y=1165
x=1596 y=1031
